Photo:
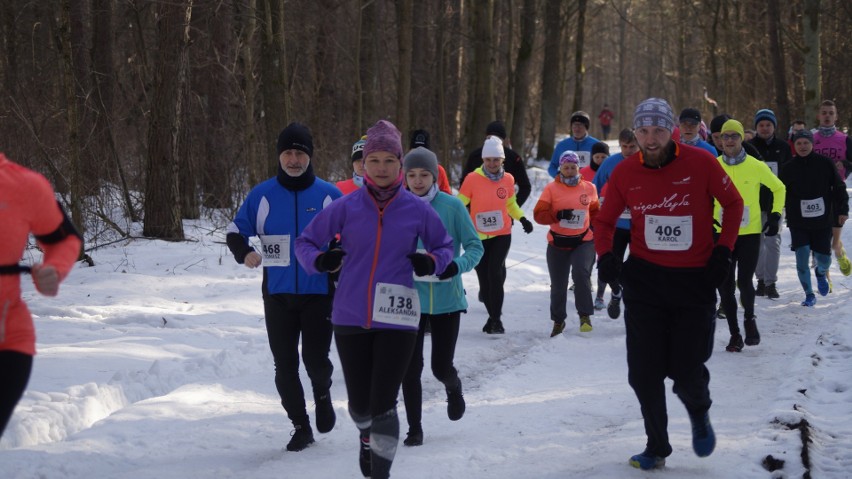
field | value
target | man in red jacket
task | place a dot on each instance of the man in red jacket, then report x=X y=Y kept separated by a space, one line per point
x=671 y=275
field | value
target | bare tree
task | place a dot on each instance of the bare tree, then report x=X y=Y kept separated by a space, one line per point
x=551 y=77
x=162 y=198
x=405 y=27
x=579 y=45
x=813 y=58
x=481 y=84
x=523 y=76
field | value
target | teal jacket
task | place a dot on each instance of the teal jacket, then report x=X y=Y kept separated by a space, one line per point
x=447 y=296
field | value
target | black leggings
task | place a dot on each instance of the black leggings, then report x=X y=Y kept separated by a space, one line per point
x=15 y=369
x=491 y=272
x=744 y=262
x=445 y=333
x=289 y=316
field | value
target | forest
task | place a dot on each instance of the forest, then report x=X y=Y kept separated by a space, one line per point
x=153 y=112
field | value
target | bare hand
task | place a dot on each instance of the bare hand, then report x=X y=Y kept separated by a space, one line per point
x=46 y=279
x=252 y=260
x=842 y=219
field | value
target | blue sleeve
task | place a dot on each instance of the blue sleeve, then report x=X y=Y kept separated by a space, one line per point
x=602 y=174
x=560 y=148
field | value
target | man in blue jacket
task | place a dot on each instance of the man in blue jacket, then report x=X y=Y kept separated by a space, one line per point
x=580 y=141
x=294 y=303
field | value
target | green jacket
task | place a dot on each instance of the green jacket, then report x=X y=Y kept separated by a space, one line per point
x=747 y=177
x=448 y=296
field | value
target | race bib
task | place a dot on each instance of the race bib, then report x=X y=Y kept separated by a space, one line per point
x=489 y=221
x=744 y=221
x=773 y=166
x=668 y=233
x=625 y=215
x=396 y=304
x=812 y=208
x=585 y=158
x=576 y=222
x=276 y=250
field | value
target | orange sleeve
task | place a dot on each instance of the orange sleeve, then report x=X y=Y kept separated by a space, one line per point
x=443 y=181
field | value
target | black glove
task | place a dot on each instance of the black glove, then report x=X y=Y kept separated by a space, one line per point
x=528 y=227
x=423 y=264
x=719 y=265
x=609 y=268
x=451 y=270
x=565 y=215
x=770 y=228
x=330 y=260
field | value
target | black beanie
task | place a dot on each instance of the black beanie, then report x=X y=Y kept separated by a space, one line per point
x=296 y=137
x=600 y=147
x=496 y=128
x=717 y=122
x=419 y=138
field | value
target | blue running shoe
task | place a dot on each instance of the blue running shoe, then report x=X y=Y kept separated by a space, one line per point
x=810 y=300
x=599 y=304
x=703 y=437
x=647 y=461
x=822 y=283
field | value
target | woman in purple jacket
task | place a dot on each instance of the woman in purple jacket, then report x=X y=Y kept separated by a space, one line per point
x=376 y=309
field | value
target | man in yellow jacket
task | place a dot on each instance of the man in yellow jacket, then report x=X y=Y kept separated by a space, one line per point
x=748 y=174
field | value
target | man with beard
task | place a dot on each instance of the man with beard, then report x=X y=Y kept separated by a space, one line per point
x=671 y=274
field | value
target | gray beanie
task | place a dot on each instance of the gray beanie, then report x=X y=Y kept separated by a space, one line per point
x=421 y=158
x=653 y=112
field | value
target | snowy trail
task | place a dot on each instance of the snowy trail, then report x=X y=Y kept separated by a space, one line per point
x=118 y=393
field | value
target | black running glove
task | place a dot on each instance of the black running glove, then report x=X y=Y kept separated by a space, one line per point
x=423 y=264
x=451 y=270
x=719 y=265
x=528 y=227
x=330 y=261
x=565 y=215
x=770 y=228
x=609 y=268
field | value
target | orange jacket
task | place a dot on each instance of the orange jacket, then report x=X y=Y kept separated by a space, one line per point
x=27 y=205
x=557 y=196
x=492 y=203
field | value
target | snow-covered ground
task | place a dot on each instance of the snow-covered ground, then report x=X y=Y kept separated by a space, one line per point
x=154 y=363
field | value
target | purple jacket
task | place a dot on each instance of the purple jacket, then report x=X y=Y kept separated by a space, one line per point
x=376 y=245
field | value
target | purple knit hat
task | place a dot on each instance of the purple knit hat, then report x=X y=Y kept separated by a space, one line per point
x=569 y=157
x=383 y=136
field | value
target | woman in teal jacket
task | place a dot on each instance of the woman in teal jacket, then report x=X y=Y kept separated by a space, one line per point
x=442 y=297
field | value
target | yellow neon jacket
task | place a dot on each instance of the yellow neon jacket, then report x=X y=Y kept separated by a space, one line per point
x=747 y=177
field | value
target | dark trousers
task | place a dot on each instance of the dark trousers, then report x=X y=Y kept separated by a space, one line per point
x=374 y=362
x=289 y=316
x=15 y=369
x=743 y=264
x=491 y=272
x=670 y=321
x=445 y=332
x=620 y=240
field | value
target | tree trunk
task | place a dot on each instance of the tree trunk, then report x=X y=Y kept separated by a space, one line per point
x=405 y=27
x=481 y=87
x=63 y=42
x=579 y=67
x=779 y=69
x=162 y=198
x=813 y=59
x=523 y=78
x=550 y=80
x=255 y=162
x=275 y=88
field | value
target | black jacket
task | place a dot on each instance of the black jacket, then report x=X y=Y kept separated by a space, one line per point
x=775 y=153
x=808 y=178
x=513 y=165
